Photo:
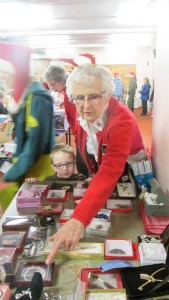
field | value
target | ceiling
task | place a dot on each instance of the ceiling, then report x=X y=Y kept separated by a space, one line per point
x=65 y=27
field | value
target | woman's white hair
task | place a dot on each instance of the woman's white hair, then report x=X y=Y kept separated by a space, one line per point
x=86 y=74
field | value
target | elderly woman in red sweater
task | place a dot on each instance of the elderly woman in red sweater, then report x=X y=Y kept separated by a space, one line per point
x=106 y=133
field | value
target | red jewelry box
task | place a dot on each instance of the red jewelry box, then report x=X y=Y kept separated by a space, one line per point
x=13 y=240
x=50 y=209
x=57 y=195
x=118 y=249
x=66 y=215
x=5 y=292
x=78 y=193
x=19 y=222
x=26 y=271
x=94 y=278
x=7 y=255
x=29 y=198
x=76 y=202
x=119 y=205
x=40 y=187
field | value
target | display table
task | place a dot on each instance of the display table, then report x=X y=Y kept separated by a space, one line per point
x=124 y=225
x=7 y=192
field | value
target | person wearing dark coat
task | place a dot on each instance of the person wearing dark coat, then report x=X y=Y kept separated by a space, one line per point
x=145 y=94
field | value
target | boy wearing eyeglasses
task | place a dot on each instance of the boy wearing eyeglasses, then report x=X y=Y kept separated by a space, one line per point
x=63 y=163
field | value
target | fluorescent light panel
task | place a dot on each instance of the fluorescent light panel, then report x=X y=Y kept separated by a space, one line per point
x=27 y=17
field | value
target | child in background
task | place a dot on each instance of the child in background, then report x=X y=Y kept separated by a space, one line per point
x=63 y=163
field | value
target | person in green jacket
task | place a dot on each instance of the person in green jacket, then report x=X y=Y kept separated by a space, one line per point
x=131 y=90
x=32 y=113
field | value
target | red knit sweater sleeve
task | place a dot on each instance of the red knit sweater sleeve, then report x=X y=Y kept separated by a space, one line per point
x=119 y=143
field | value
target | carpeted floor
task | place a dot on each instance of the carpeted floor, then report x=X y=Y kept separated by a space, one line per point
x=145 y=125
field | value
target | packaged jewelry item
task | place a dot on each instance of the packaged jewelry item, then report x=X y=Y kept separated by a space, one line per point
x=40 y=187
x=118 y=248
x=103 y=215
x=82 y=251
x=50 y=209
x=98 y=227
x=146 y=281
x=57 y=195
x=126 y=189
x=19 y=222
x=66 y=215
x=62 y=186
x=78 y=193
x=35 y=241
x=12 y=239
x=119 y=205
x=94 y=278
x=152 y=253
x=26 y=271
x=7 y=255
x=28 y=198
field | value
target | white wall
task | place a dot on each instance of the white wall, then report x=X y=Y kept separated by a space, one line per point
x=142 y=57
x=160 y=147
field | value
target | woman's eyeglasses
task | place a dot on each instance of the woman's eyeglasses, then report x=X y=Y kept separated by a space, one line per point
x=52 y=84
x=68 y=165
x=92 y=99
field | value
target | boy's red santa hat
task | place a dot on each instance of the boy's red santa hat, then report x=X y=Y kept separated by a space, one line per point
x=15 y=60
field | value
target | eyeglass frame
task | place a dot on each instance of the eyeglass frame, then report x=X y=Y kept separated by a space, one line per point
x=52 y=85
x=88 y=98
x=68 y=165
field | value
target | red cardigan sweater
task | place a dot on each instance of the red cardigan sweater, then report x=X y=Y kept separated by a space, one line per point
x=121 y=137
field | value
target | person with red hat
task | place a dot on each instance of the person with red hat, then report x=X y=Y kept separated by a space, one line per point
x=118 y=90
x=31 y=110
x=131 y=90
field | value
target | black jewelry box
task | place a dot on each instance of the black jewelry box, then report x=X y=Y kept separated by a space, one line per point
x=146 y=281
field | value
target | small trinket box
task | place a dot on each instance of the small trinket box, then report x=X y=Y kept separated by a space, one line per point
x=82 y=251
x=13 y=239
x=103 y=215
x=152 y=253
x=94 y=278
x=126 y=190
x=28 y=198
x=26 y=271
x=19 y=222
x=98 y=227
x=78 y=193
x=50 y=209
x=5 y=292
x=40 y=187
x=119 y=205
x=118 y=248
x=57 y=195
x=66 y=215
x=7 y=255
